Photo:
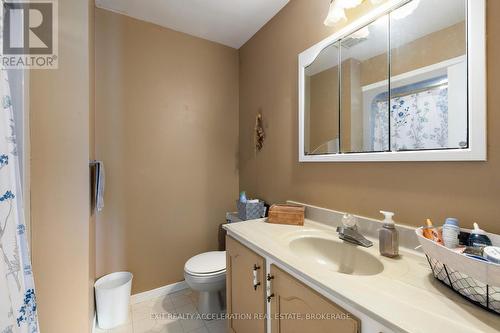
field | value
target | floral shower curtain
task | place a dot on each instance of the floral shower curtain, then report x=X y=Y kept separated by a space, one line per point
x=418 y=121
x=17 y=293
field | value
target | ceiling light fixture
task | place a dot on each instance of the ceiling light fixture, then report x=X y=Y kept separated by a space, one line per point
x=335 y=14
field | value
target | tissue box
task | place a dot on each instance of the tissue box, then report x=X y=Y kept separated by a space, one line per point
x=287 y=214
x=251 y=210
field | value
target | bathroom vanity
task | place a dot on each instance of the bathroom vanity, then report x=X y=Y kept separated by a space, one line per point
x=277 y=272
x=287 y=295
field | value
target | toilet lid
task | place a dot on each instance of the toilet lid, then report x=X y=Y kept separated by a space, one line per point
x=206 y=263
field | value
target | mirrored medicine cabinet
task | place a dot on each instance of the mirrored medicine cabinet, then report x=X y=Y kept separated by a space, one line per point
x=405 y=82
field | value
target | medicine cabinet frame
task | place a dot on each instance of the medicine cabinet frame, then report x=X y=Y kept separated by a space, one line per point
x=476 y=63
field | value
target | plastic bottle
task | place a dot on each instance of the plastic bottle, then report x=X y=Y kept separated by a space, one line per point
x=451 y=231
x=388 y=237
x=243 y=197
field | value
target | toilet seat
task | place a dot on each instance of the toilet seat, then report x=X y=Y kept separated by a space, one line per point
x=207 y=275
x=207 y=264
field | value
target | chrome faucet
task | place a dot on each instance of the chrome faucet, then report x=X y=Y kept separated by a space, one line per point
x=349 y=232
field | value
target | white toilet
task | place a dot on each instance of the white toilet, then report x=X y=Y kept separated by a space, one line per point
x=206 y=274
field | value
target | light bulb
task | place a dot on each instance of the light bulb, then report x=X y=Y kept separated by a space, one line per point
x=335 y=14
x=376 y=2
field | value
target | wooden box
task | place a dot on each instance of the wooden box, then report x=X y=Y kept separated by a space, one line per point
x=287 y=214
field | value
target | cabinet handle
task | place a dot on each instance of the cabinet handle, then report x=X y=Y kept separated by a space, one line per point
x=268 y=289
x=256 y=282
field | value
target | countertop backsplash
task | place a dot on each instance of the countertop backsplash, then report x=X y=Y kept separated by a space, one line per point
x=368 y=227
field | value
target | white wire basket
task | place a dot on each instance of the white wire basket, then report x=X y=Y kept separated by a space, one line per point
x=478 y=281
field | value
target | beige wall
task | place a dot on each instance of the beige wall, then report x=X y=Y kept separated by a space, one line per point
x=415 y=191
x=60 y=108
x=323 y=108
x=419 y=53
x=167 y=131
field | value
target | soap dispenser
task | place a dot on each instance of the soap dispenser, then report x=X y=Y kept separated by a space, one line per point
x=389 y=237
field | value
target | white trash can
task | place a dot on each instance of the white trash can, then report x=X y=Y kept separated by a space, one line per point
x=112 y=293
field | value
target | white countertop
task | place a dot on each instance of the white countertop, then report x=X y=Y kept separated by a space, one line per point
x=405 y=297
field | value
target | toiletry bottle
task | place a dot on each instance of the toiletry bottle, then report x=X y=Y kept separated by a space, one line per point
x=427 y=229
x=389 y=237
x=478 y=237
x=432 y=233
x=243 y=197
x=451 y=231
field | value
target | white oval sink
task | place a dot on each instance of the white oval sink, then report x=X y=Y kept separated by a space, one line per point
x=337 y=256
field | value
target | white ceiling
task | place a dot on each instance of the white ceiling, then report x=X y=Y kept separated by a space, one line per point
x=229 y=22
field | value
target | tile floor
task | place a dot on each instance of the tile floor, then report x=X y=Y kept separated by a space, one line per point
x=154 y=316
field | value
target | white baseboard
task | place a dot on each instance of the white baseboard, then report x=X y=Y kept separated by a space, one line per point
x=158 y=292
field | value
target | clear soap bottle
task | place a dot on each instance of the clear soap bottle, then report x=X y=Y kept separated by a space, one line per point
x=389 y=237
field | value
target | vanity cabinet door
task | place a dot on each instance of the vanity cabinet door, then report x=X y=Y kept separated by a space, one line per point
x=245 y=281
x=292 y=299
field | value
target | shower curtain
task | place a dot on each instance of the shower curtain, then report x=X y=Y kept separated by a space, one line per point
x=17 y=292
x=418 y=121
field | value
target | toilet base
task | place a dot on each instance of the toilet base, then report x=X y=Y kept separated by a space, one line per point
x=211 y=293
x=210 y=304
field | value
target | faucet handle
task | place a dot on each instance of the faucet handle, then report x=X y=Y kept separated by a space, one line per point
x=352 y=236
x=349 y=221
